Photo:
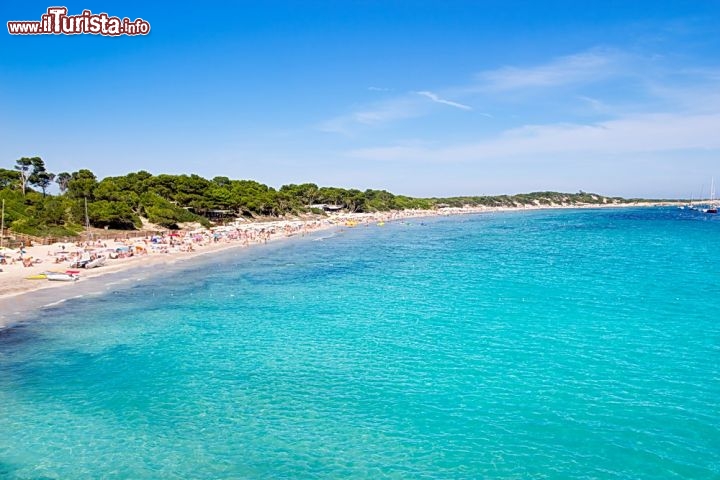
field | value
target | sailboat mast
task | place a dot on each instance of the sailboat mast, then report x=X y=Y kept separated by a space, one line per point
x=712 y=189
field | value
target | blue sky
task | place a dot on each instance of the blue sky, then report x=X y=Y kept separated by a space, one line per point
x=420 y=98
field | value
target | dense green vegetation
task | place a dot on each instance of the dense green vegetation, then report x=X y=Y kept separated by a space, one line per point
x=534 y=198
x=168 y=200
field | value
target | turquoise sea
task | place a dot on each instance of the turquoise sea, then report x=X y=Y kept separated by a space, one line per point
x=548 y=344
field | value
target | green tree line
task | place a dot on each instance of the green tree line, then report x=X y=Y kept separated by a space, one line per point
x=168 y=200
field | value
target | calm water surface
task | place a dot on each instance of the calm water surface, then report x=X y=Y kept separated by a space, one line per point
x=554 y=344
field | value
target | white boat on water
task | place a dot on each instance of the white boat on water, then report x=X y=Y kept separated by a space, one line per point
x=711 y=207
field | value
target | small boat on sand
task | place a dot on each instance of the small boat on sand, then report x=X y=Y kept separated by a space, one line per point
x=89 y=262
x=61 y=277
x=98 y=262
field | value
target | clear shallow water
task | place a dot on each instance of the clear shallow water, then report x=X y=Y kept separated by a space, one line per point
x=557 y=344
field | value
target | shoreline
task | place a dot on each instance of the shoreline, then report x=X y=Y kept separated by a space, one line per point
x=15 y=287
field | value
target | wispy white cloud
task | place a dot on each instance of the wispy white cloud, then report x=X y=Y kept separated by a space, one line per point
x=374 y=114
x=586 y=66
x=624 y=136
x=394 y=109
x=701 y=95
x=578 y=68
x=595 y=105
x=602 y=84
x=435 y=98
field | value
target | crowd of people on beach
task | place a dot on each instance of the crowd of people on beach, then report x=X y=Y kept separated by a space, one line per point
x=75 y=254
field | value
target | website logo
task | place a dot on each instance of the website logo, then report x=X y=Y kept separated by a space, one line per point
x=57 y=22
